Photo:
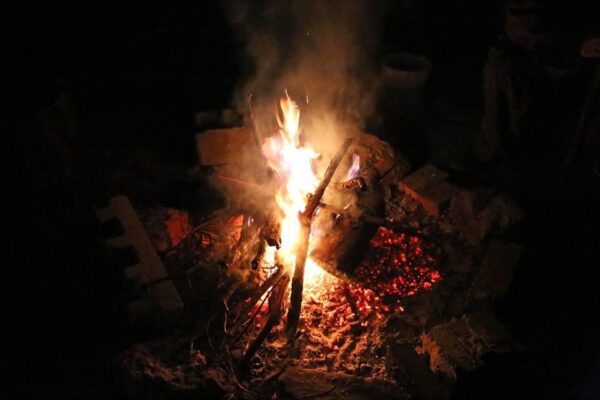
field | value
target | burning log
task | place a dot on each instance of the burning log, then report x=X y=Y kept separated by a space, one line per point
x=340 y=251
x=374 y=220
x=349 y=232
x=302 y=251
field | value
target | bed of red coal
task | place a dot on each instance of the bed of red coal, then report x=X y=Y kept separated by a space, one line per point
x=343 y=322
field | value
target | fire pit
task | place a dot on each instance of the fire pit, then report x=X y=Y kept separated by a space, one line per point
x=349 y=267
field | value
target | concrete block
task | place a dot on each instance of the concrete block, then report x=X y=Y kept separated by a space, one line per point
x=161 y=300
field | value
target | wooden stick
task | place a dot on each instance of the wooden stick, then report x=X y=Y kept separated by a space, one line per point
x=266 y=285
x=303 y=241
x=248 y=321
x=313 y=202
x=298 y=281
x=275 y=312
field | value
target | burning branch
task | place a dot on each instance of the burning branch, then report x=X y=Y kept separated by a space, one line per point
x=266 y=285
x=303 y=241
x=275 y=312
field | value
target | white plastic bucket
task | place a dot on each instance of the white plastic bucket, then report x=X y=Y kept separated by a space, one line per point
x=405 y=70
x=404 y=76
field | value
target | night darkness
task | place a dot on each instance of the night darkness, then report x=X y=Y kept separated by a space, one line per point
x=100 y=100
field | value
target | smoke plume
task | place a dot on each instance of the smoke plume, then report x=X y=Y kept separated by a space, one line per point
x=323 y=52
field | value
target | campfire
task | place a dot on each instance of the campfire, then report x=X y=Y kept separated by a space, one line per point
x=333 y=263
x=378 y=283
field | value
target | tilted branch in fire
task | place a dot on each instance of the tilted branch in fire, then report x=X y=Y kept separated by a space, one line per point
x=303 y=242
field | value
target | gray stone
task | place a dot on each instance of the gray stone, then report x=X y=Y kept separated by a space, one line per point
x=412 y=370
x=422 y=179
x=460 y=343
x=496 y=272
x=429 y=187
x=474 y=214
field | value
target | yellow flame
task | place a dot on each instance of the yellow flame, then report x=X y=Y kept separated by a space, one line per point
x=294 y=165
x=314 y=275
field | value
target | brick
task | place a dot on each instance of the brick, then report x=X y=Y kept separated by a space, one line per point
x=437 y=199
x=226 y=146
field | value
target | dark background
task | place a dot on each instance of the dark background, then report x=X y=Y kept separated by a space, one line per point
x=128 y=79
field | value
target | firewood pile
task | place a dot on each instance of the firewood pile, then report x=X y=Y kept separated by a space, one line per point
x=404 y=277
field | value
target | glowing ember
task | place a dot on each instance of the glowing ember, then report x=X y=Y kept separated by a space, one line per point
x=178 y=226
x=396 y=266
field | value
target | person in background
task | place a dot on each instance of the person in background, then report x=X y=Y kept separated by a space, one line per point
x=540 y=87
